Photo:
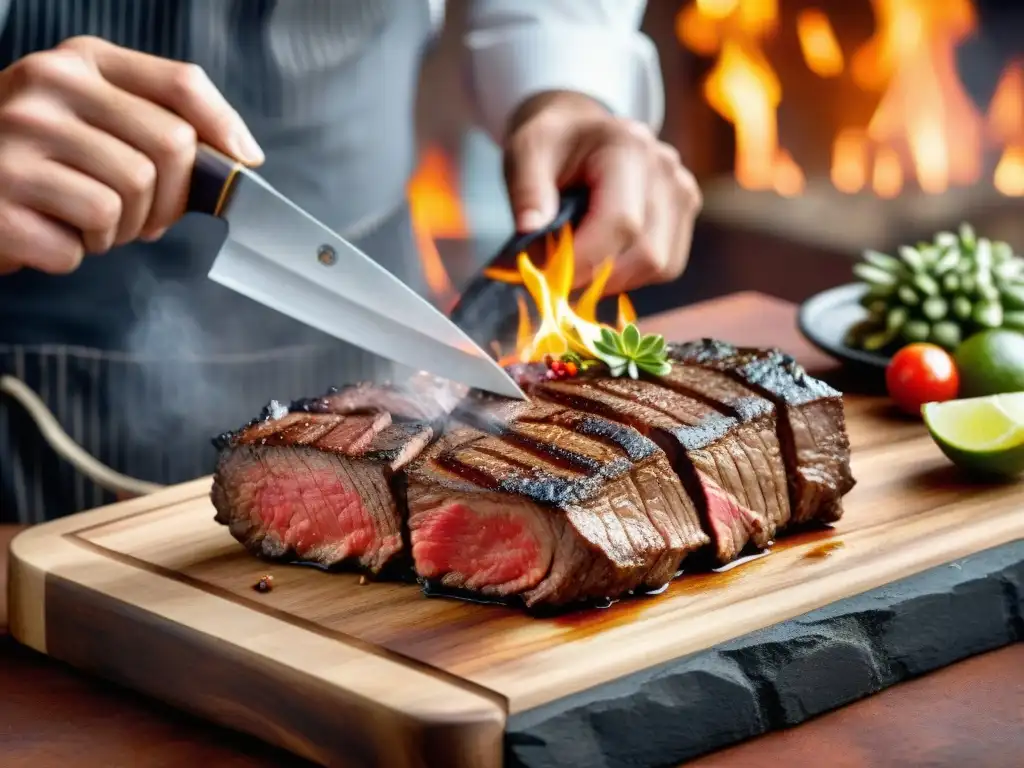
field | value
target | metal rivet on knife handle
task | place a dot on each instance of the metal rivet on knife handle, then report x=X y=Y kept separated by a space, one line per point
x=326 y=255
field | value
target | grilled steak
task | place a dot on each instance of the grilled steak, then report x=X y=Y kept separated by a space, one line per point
x=548 y=503
x=730 y=466
x=594 y=488
x=812 y=426
x=314 y=481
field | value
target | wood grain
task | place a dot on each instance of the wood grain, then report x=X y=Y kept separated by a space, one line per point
x=440 y=672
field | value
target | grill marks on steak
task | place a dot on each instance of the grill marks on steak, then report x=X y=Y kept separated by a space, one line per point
x=547 y=503
x=317 y=487
x=758 y=434
x=811 y=424
x=722 y=462
x=595 y=488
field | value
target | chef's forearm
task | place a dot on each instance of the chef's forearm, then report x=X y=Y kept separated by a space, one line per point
x=518 y=48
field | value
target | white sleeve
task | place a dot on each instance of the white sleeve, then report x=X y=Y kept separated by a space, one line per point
x=518 y=48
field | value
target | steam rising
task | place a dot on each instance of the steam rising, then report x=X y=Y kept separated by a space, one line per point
x=203 y=360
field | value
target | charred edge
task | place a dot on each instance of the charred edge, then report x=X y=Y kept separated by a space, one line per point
x=273 y=409
x=405 y=430
x=681 y=389
x=537 y=448
x=634 y=438
x=549 y=490
x=674 y=444
x=703 y=435
x=745 y=408
x=566 y=458
x=629 y=440
x=563 y=458
x=770 y=372
x=316 y=404
x=598 y=420
x=532 y=483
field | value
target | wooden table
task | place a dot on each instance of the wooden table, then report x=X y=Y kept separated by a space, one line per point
x=968 y=714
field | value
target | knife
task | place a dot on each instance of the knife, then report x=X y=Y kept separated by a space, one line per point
x=280 y=256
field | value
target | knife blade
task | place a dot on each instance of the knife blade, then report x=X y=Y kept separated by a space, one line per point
x=279 y=255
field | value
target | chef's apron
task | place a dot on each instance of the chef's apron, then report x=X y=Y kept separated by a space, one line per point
x=139 y=356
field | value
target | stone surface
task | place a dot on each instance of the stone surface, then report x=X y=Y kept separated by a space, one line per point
x=782 y=675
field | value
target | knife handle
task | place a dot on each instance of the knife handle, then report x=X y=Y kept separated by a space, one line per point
x=213 y=180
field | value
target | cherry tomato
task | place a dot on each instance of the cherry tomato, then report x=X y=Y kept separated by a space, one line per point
x=921 y=373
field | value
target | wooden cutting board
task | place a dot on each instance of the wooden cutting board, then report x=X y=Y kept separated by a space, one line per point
x=923 y=569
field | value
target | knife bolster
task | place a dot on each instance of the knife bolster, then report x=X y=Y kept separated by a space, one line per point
x=213 y=180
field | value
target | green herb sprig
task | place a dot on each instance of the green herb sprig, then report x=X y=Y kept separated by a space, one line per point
x=630 y=352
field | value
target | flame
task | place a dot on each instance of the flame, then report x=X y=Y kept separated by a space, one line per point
x=742 y=86
x=818 y=43
x=787 y=177
x=887 y=179
x=850 y=160
x=924 y=110
x=564 y=326
x=1009 y=175
x=436 y=213
x=925 y=130
x=1006 y=112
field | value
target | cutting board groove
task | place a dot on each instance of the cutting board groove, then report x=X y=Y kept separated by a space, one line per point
x=377 y=674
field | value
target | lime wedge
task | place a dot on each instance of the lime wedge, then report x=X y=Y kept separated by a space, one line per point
x=981 y=434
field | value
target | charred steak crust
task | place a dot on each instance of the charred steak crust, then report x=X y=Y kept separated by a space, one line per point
x=317 y=487
x=547 y=503
x=593 y=489
x=729 y=466
x=812 y=423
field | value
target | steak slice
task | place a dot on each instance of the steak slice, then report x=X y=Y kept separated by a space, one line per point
x=548 y=504
x=317 y=487
x=760 y=439
x=812 y=425
x=708 y=450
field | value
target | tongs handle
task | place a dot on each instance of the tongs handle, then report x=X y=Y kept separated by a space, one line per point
x=483 y=300
x=572 y=206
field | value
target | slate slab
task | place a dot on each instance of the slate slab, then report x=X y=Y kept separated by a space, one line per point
x=784 y=674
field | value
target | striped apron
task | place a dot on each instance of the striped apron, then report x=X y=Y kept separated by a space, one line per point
x=141 y=358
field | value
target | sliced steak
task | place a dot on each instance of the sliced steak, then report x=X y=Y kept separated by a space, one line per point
x=549 y=504
x=812 y=425
x=759 y=437
x=707 y=448
x=317 y=487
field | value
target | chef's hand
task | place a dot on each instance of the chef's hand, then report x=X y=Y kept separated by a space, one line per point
x=97 y=145
x=643 y=202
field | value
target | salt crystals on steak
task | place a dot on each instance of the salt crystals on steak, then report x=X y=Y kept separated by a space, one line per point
x=594 y=488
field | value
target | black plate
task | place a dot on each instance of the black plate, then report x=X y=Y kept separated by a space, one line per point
x=826 y=317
